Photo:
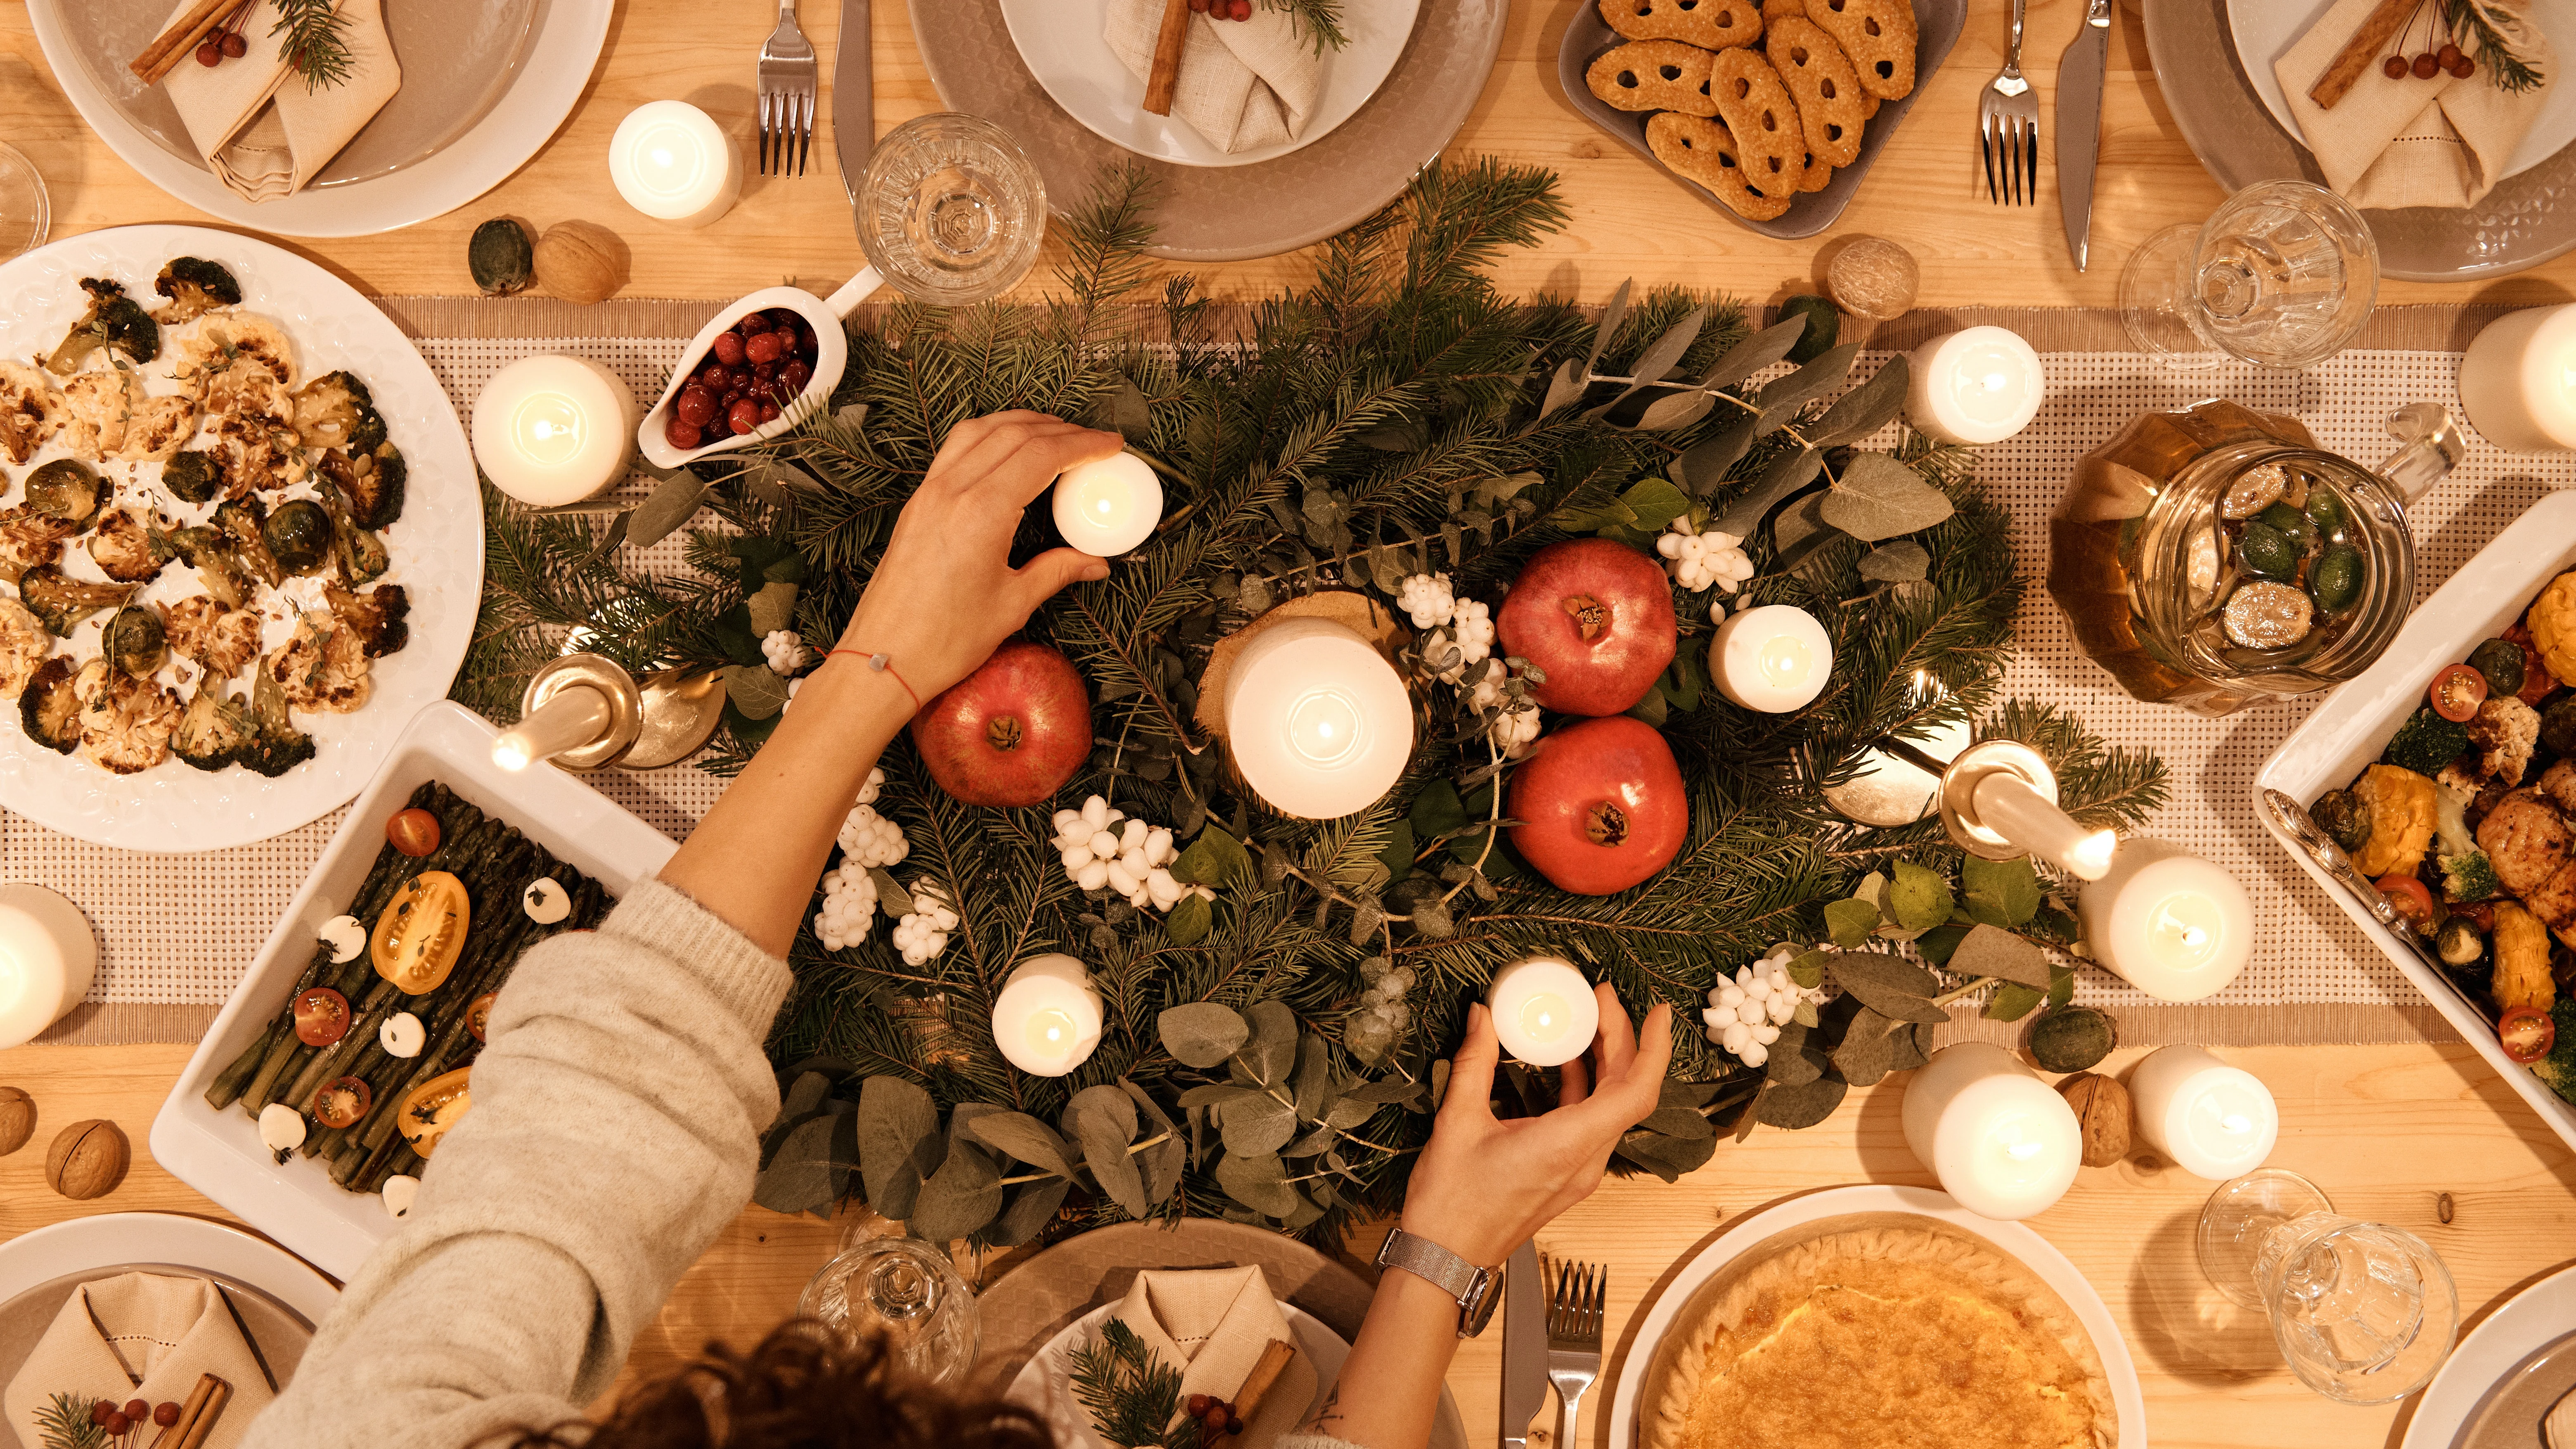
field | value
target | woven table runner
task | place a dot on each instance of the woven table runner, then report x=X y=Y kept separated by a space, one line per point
x=176 y=932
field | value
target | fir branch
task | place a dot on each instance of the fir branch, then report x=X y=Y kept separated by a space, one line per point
x=65 y=1424
x=1319 y=21
x=315 y=43
x=1134 y=1398
x=2505 y=68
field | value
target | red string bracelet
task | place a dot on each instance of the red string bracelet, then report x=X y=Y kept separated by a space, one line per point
x=883 y=665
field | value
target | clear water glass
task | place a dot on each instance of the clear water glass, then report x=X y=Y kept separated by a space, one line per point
x=950 y=212
x=26 y=212
x=2363 y=1312
x=2283 y=274
x=903 y=1291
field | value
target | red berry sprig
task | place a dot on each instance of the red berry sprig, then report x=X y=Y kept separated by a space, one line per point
x=1223 y=9
x=225 y=43
x=2448 y=59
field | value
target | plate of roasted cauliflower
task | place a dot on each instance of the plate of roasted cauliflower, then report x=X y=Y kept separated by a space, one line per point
x=240 y=539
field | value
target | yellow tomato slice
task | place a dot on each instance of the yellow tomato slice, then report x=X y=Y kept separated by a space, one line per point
x=421 y=934
x=434 y=1107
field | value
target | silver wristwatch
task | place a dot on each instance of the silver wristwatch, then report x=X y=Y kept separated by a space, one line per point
x=1472 y=1286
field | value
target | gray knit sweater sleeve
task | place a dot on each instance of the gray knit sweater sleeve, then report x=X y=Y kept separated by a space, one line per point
x=613 y=1135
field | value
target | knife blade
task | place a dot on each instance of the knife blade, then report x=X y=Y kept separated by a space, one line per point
x=1524 y=1345
x=2079 y=124
x=854 y=91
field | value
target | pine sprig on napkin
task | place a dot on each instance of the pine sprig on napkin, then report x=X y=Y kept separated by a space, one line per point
x=1319 y=20
x=66 y=1424
x=1134 y=1397
x=313 y=41
x=2505 y=68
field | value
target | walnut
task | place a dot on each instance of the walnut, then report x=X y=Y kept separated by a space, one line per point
x=17 y=1119
x=2102 y=1105
x=1874 y=278
x=87 y=1160
x=580 y=262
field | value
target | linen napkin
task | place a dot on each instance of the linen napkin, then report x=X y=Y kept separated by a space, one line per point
x=262 y=131
x=1243 y=84
x=140 y=1336
x=2393 y=143
x=1212 y=1324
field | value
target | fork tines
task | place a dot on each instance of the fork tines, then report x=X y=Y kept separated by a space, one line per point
x=1574 y=1312
x=786 y=131
x=2010 y=145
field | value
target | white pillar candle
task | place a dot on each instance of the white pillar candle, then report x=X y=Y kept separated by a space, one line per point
x=1109 y=506
x=47 y=960
x=551 y=429
x=2210 y=1119
x=2176 y=927
x=2001 y=1141
x=574 y=718
x=1776 y=658
x=1980 y=385
x=1544 y=1011
x=1317 y=722
x=673 y=163
x=1047 y=1018
x=2007 y=805
x=2518 y=380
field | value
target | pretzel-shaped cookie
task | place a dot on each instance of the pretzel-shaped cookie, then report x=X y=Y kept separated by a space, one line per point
x=1654 y=75
x=1828 y=90
x=1771 y=142
x=1878 y=35
x=1704 y=151
x=1708 y=24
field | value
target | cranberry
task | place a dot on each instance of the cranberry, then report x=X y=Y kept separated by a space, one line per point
x=2427 y=66
x=682 y=434
x=2394 y=67
x=99 y=1410
x=2464 y=67
x=795 y=374
x=711 y=375
x=137 y=1409
x=2448 y=56
x=234 y=46
x=1201 y=7
x=210 y=53
x=744 y=416
x=785 y=319
x=697 y=405
x=1243 y=9
x=117 y=1424
x=165 y=1414
x=763 y=371
x=728 y=348
x=768 y=410
x=752 y=325
x=764 y=348
x=738 y=377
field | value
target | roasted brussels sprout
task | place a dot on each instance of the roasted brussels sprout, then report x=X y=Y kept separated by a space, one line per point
x=62 y=602
x=243 y=521
x=195 y=286
x=203 y=549
x=371 y=482
x=501 y=257
x=362 y=555
x=215 y=730
x=2460 y=942
x=381 y=616
x=335 y=410
x=114 y=321
x=135 y=640
x=299 y=536
x=49 y=708
x=277 y=746
x=2500 y=660
x=2345 y=816
x=69 y=490
x=2558 y=725
x=194 y=477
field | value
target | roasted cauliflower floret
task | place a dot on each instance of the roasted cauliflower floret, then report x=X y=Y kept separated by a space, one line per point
x=125 y=725
x=114 y=416
x=125 y=549
x=257 y=443
x=335 y=410
x=2501 y=738
x=323 y=668
x=225 y=352
x=25 y=644
x=195 y=287
x=114 y=321
x=220 y=638
x=29 y=539
x=31 y=411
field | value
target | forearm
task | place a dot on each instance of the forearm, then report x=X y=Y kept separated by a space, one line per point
x=1389 y=1391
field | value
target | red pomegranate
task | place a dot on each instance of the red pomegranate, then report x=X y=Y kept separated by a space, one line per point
x=1596 y=617
x=1012 y=732
x=1601 y=806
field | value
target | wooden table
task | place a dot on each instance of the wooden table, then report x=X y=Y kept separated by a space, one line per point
x=2388 y=1130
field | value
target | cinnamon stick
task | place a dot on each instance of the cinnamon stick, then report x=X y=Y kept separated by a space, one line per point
x=182 y=37
x=2362 y=51
x=1266 y=1370
x=1166 y=76
x=207 y=1414
x=188 y=1411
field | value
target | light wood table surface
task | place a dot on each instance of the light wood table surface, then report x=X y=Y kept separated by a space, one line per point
x=2387 y=1130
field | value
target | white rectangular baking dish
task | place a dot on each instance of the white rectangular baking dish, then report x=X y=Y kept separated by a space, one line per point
x=2351 y=728
x=219 y=1153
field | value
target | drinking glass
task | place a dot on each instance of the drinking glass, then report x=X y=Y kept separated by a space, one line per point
x=26 y=214
x=906 y=1292
x=2363 y=1312
x=949 y=211
x=2282 y=274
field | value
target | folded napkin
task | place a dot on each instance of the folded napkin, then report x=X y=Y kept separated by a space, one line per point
x=140 y=1336
x=1212 y=1324
x=266 y=134
x=2392 y=143
x=1243 y=83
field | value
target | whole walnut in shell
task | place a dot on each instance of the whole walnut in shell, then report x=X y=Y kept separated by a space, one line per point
x=17 y=1119
x=87 y=1160
x=2103 y=1109
x=580 y=262
x=1874 y=278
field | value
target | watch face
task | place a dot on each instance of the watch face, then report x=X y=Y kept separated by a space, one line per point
x=1474 y=1315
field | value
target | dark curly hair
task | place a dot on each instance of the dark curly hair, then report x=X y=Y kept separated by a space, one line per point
x=805 y=1387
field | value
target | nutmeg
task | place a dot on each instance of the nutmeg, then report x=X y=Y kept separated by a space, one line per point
x=1875 y=278
x=87 y=1160
x=2102 y=1107
x=17 y=1119
x=580 y=262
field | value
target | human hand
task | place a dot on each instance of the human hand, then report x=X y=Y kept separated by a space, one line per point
x=1485 y=1185
x=944 y=596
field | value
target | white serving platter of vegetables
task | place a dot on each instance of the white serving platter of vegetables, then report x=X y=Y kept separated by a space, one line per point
x=2365 y=728
x=311 y=541
x=500 y=834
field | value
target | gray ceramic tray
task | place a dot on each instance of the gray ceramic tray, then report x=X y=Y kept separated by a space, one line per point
x=1938 y=22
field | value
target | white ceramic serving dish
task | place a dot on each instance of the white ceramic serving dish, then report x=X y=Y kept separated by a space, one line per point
x=2035 y=1253
x=831 y=359
x=2524 y=1324
x=219 y=1153
x=2351 y=728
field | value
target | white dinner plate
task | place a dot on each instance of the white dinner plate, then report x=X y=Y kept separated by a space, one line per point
x=116 y=1240
x=436 y=546
x=2526 y=1323
x=2266 y=29
x=550 y=67
x=1065 y=47
x=2034 y=1252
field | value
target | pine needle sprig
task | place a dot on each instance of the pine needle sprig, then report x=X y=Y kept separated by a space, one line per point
x=1134 y=1398
x=65 y=1424
x=2505 y=68
x=1320 y=21
x=315 y=41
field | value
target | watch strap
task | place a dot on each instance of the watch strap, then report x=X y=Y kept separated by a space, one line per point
x=1428 y=1260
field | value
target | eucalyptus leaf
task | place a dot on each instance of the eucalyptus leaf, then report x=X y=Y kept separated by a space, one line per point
x=1798 y=531
x=1865 y=409
x=1433 y=919
x=1665 y=353
x=806 y=1095
x=1676 y=410
x=672 y=503
x=2003 y=955
x=773 y=608
x=1564 y=389
x=1611 y=316
x=1878 y=497
x=898 y=1142
x=803 y=1176
x=1850 y=922
x=1797 y=1108
x=1919 y=898
x=1941 y=942
x=892 y=897
x=1797 y=1057
x=1031 y=1206
x=1910 y=1047
x=754 y=689
x=1808 y=969
x=959 y=1199
x=1888 y=985
x=1782 y=401
x=1705 y=466
x=1214 y=859
x=1756 y=352
x=1024 y=1138
x=1778 y=479
x=2061 y=986
x=1667 y=1157
x=2012 y=1002
x=1202 y=1033
x=1273 y=1050
x=1653 y=503
x=1259 y=1182
x=1896 y=563
x=1130 y=412
x=2001 y=893
x=1104 y=1118
x=1190 y=921
x=1867 y=1051
x=1678 y=1122
x=1162 y=1163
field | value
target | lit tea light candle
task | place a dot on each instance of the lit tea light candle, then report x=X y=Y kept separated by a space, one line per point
x=572 y=719
x=551 y=429
x=1979 y=385
x=47 y=959
x=1544 y=1011
x=2210 y=1119
x=1317 y=722
x=673 y=163
x=1047 y=1018
x=2518 y=380
x=2176 y=927
x=1776 y=658
x=1108 y=506
x=2001 y=1141
x=2007 y=805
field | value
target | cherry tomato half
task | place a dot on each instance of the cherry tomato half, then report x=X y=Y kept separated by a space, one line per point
x=2410 y=898
x=2527 y=1033
x=414 y=832
x=321 y=1016
x=343 y=1102
x=2457 y=692
x=478 y=1014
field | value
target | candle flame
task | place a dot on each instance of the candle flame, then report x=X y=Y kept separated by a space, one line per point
x=2090 y=858
x=2236 y=1123
x=511 y=753
x=1786 y=660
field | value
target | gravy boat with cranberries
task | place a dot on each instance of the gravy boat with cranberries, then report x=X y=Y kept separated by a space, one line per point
x=831 y=359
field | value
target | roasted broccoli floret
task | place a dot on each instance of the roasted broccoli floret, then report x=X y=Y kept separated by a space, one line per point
x=335 y=410
x=215 y=730
x=243 y=520
x=276 y=745
x=2469 y=877
x=62 y=601
x=195 y=476
x=114 y=320
x=204 y=549
x=371 y=482
x=49 y=707
x=362 y=555
x=2426 y=743
x=381 y=616
x=195 y=286
x=2558 y=1068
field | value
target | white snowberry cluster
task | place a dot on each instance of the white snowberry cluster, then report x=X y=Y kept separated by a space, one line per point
x=1744 y=1016
x=923 y=933
x=1698 y=560
x=868 y=838
x=784 y=649
x=1428 y=598
x=1513 y=728
x=1382 y=1014
x=1471 y=625
x=849 y=907
x=1132 y=859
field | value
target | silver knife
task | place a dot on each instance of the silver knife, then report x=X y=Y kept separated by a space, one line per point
x=854 y=108
x=1524 y=1345
x=2079 y=124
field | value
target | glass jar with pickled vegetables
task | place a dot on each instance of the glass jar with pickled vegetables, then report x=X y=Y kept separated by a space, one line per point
x=2216 y=557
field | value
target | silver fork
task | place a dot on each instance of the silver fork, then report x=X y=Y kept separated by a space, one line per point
x=2008 y=127
x=1574 y=1339
x=786 y=96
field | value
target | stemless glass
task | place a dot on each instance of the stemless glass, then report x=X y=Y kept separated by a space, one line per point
x=2363 y=1312
x=906 y=1292
x=26 y=214
x=950 y=211
x=2282 y=274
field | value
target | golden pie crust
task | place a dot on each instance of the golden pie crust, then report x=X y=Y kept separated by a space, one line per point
x=1904 y=1333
